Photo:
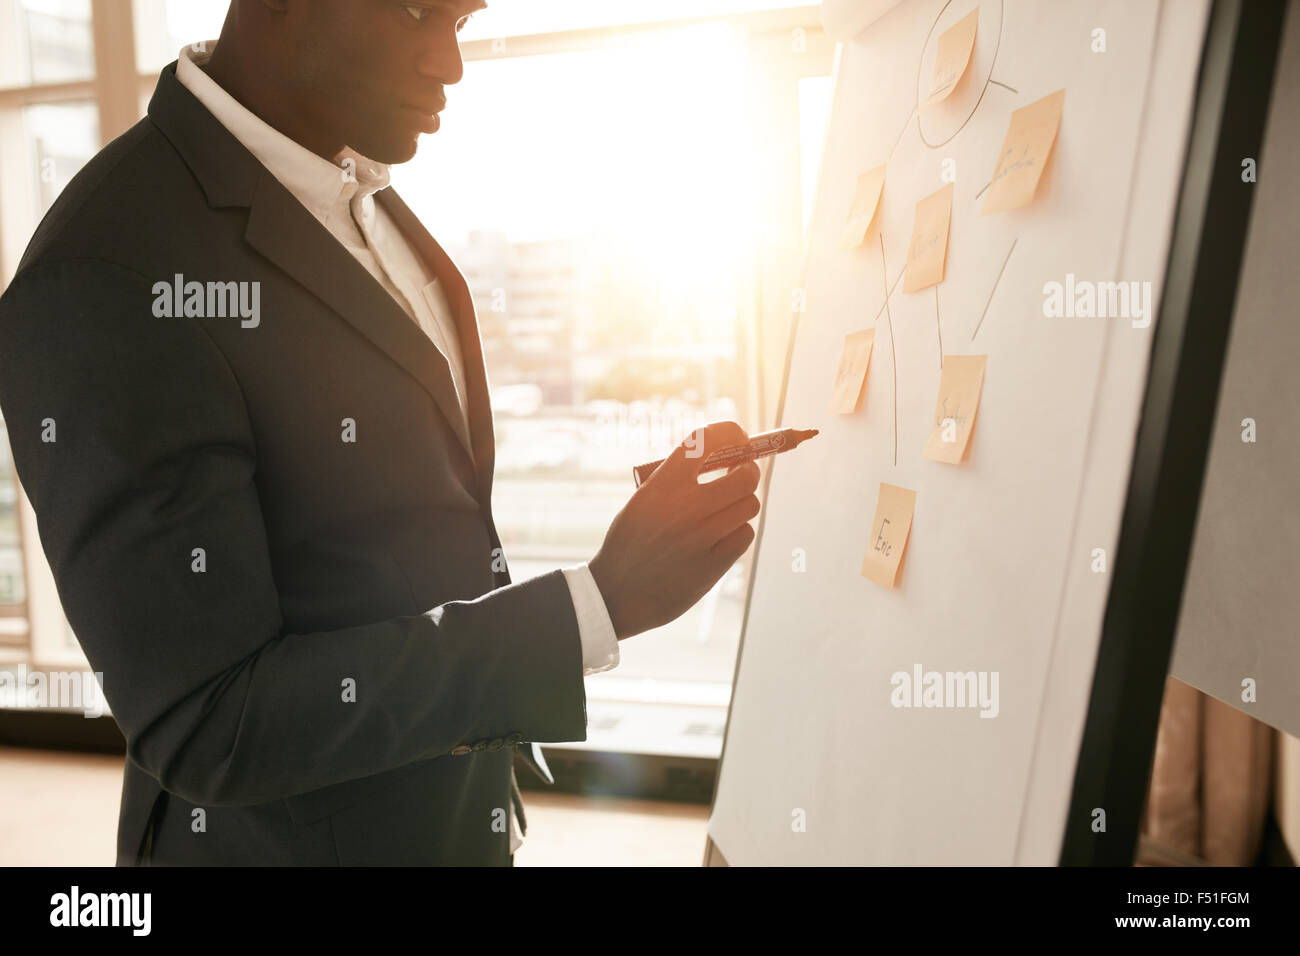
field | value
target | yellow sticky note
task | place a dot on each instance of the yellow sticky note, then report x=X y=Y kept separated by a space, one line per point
x=928 y=250
x=852 y=372
x=952 y=58
x=866 y=197
x=889 y=531
x=1024 y=153
x=960 y=385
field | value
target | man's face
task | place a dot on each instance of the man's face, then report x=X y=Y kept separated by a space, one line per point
x=373 y=71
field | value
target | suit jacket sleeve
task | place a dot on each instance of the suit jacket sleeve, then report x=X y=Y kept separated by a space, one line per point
x=154 y=457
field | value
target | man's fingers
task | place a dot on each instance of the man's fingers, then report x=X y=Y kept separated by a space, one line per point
x=734 y=545
x=740 y=482
x=673 y=465
x=686 y=459
x=703 y=442
x=718 y=526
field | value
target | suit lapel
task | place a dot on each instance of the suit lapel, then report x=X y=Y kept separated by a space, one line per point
x=287 y=234
x=283 y=231
x=461 y=303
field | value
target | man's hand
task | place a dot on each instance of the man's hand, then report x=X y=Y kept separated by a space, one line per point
x=676 y=536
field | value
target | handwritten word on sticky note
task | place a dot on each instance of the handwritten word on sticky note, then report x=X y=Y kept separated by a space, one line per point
x=851 y=374
x=960 y=385
x=928 y=250
x=866 y=197
x=955 y=46
x=889 y=531
x=1024 y=153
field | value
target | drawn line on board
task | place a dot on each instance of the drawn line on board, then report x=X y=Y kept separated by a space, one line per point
x=899 y=137
x=995 y=288
x=891 y=292
x=1002 y=17
x=1003 y=85
x=938 y=326
x=893 y=356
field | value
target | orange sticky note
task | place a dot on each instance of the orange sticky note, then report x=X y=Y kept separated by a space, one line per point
x=928 y=250
x=1024 y=153
x=952 y=58
x=889 y=531
x=852 y=372
x=960 y=385
x=866 y=197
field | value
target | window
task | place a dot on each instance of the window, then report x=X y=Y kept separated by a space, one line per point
x=624 y=185
x=506 y=18
x=628 y=210
x=45 y=42
x=49 y=127
x=608 y=269
x=162 y=27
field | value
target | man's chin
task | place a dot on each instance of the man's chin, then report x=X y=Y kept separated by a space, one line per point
x=393 y=151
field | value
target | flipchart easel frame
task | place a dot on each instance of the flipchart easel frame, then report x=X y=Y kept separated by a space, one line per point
x=1233 y=92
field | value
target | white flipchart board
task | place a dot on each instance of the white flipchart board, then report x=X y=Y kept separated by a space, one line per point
x=818 y=766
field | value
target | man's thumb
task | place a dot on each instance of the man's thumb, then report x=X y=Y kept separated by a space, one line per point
x=675 y=464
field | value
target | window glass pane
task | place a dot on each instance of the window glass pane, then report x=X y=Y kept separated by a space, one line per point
x=61 y=138
x=162 y=27
x=41 y=148
x=606 y=230
x=814 y=115
x=45 y=41
x=505 y=18
x=12 y=590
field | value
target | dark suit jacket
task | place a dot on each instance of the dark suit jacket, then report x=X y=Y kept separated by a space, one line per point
x=324 y=557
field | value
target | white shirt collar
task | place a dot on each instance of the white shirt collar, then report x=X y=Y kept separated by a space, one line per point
x=314 y=181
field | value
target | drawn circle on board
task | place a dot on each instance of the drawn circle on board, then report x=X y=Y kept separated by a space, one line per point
x=944 y=127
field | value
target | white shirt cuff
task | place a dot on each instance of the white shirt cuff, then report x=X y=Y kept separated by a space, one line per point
x=595 y=629
x=516 y=839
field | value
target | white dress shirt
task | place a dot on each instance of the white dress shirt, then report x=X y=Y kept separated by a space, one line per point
x=340 y=195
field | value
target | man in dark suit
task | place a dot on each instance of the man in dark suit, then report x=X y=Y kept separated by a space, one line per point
x=249 y=407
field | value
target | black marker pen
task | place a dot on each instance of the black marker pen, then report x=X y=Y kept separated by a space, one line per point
x=760 y=446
